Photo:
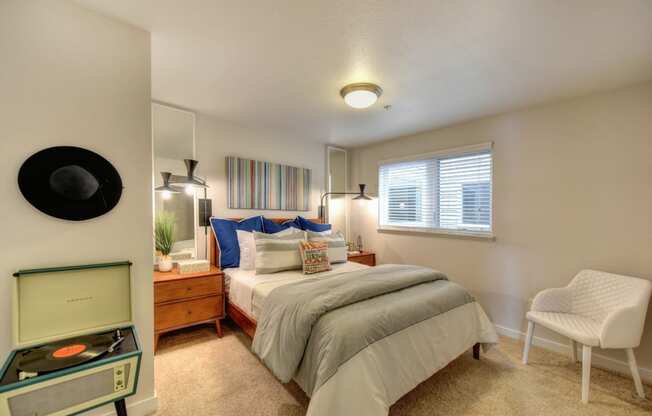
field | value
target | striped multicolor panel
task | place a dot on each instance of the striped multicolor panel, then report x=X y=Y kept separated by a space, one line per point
x=264 y=185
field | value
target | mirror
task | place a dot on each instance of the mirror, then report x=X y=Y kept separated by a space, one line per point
x=337 y=179
x=174 y=140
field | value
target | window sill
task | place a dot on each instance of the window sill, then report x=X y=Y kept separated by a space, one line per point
x=440 y=233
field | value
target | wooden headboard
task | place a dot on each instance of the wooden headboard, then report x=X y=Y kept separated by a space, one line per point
x=214 y=250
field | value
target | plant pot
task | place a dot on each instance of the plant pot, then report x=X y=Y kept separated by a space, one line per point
x=164 y=264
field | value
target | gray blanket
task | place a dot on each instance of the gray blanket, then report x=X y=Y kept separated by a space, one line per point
x=321 y=323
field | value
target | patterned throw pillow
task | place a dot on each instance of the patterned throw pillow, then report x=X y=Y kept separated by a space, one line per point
x=336 y=245
x=276 y=253
x=315 y=257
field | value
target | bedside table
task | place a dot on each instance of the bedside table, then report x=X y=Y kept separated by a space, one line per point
x=364 y=257
x=182 y=300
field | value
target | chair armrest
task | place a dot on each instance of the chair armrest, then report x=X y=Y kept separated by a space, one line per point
x=553 y=300
x=623 y=327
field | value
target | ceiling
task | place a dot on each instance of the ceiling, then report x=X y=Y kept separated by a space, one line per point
x=280 y=64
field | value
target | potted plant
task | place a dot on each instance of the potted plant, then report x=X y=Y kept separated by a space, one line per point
x=164 y=238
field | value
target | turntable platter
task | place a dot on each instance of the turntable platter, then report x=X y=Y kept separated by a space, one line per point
x=63 y=354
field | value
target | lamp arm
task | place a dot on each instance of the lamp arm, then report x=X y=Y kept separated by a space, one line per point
x=336 y=193
x=322 y=213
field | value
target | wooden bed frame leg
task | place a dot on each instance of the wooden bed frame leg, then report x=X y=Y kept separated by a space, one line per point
x=476 y=351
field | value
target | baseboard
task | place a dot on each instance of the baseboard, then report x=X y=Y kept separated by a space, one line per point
x=143 y=407
x=597 y=360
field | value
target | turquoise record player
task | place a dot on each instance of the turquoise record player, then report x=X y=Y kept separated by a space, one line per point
x=76 y=347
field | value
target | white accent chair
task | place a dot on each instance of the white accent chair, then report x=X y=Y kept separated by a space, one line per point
x=597 y=309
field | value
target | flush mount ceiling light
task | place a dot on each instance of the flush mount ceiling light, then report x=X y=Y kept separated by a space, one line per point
x=361 y=95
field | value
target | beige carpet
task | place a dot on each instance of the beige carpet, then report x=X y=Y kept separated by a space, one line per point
x=199 y=374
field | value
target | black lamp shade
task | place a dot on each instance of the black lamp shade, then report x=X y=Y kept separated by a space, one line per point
x=190 y=178
x=166 y=184
x=362 y=195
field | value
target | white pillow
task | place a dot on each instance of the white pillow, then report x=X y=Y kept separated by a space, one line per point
x=290 y=231
x=327 y=232
x=275 y=253
x=247 y=245
x=336 y=245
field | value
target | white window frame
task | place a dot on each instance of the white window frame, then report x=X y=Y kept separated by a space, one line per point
x=458 y=151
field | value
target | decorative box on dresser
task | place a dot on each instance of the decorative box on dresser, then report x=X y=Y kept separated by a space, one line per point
x=363 y=257
x=182 y=300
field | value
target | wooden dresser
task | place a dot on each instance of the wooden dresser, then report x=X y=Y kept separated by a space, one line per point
x=363 y=257
x=182 y=300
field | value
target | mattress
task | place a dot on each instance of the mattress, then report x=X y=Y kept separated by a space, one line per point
x=248 y=290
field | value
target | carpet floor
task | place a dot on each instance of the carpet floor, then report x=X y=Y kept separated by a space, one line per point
x=199 y=374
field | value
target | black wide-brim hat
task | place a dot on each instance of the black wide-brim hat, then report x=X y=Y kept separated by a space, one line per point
x=70 y=183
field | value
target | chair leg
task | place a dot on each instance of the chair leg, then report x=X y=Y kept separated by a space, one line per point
x=635 y=375
x=528 y=341
x=586 y=372
x=573 y=350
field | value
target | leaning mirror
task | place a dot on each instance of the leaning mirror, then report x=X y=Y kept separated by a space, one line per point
x=174 y=206
x=336 y=182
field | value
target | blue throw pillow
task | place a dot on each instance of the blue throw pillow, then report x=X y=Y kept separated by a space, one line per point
x=227 y=238
x=308 y=225
x=271 y=227
x=293 y=223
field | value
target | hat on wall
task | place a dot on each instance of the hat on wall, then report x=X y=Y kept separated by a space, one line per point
x=70 y=183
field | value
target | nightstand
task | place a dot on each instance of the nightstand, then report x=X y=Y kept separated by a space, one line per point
x=182 y=300
x=363 y=257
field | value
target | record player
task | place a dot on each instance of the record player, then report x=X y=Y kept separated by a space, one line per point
x=75 y=345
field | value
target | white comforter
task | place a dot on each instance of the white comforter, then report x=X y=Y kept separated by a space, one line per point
x=370 y=382
x=248 y=290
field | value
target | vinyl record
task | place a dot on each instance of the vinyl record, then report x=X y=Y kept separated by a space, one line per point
x=64 y=354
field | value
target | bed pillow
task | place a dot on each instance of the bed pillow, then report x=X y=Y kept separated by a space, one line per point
x=227 y=238
x=314 y=257
x=276 y=253
x=293 y=223
x=336 y=245
x=292 y=231
x=308 y=225
x=247 y=249
x=273 y=227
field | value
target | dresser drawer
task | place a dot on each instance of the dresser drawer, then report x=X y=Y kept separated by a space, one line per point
x=180 y=314
x=187 y=288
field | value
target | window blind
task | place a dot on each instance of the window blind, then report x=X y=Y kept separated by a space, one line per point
x=447 y=191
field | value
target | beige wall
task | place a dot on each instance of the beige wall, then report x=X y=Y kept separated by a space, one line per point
x=572 y=190
x=215 y=139
x=72 y=77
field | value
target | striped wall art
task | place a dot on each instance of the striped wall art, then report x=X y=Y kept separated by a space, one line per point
x=252 y=184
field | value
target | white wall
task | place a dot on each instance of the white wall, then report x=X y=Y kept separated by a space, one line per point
x=72 y=77
x=572 y=190
x=215 y=140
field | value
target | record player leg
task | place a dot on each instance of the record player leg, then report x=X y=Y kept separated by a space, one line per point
x=218 y=327
x=476 y=351
x=120 y=407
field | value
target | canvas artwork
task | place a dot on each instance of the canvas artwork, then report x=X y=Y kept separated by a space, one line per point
x=252 y=184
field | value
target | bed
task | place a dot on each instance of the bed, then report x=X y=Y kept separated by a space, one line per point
x=370 y=380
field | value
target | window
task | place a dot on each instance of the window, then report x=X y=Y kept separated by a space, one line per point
x=404 y=203
x=446 y=191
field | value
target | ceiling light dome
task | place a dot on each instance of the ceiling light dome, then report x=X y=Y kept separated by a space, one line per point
x=361 y=95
